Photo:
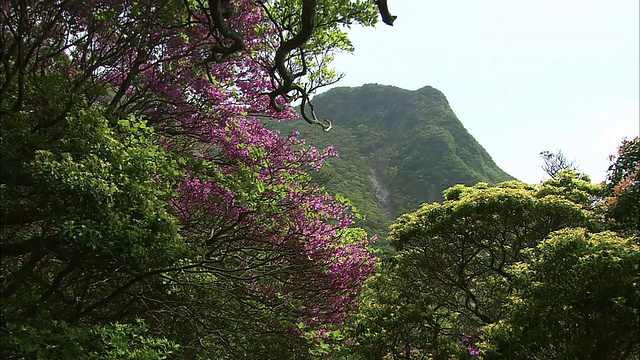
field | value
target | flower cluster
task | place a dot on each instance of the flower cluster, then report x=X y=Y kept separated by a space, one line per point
x=249 y=228
x=243 y=183
x=468 y=342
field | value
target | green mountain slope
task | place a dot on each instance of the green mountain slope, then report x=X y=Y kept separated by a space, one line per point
x=398 y=149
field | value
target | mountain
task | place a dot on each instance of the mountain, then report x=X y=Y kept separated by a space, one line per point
x=398 y=149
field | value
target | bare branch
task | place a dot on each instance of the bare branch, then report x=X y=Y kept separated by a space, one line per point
x=556 y=162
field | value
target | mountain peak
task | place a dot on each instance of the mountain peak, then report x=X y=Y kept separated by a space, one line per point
x=433 y=95
x=398 y=149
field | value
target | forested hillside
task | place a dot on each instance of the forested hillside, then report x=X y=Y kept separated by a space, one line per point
x=398 y=149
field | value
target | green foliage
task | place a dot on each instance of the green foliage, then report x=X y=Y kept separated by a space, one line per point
x=398 y=320
x=572 y=186
x=59 y=340
x=623 y=188
x=461 y=249
x=452 y=275
x=329 y=34
x=511 y=271
x=398 y=149
x=348 y=176
x=412 y=139
x=101 y=188
x=85 y=211
x=94 y=187
x=577 y=298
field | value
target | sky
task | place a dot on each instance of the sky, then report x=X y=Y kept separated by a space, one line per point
x=522 y=76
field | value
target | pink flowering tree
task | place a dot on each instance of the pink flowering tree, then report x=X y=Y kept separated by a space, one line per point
x=139 y=181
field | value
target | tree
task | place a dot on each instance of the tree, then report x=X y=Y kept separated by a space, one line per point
x=87 y=222
x=553 y=163
x=459 y=251
x=398 y=321
x=58 y=340
x=451 y=276
x=513 y=271
x=623 y=188
x=136 y=183
x=577 y=298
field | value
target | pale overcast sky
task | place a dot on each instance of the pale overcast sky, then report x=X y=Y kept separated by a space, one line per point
x=523 y=76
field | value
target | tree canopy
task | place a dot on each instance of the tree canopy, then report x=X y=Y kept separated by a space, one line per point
x=511 y=271
x=145 y=209
x=576 y=298
x=623 y=188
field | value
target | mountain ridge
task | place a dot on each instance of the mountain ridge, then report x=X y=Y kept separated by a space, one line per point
x=398 y=149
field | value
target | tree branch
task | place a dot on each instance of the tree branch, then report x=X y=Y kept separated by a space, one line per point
x=387 y=18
